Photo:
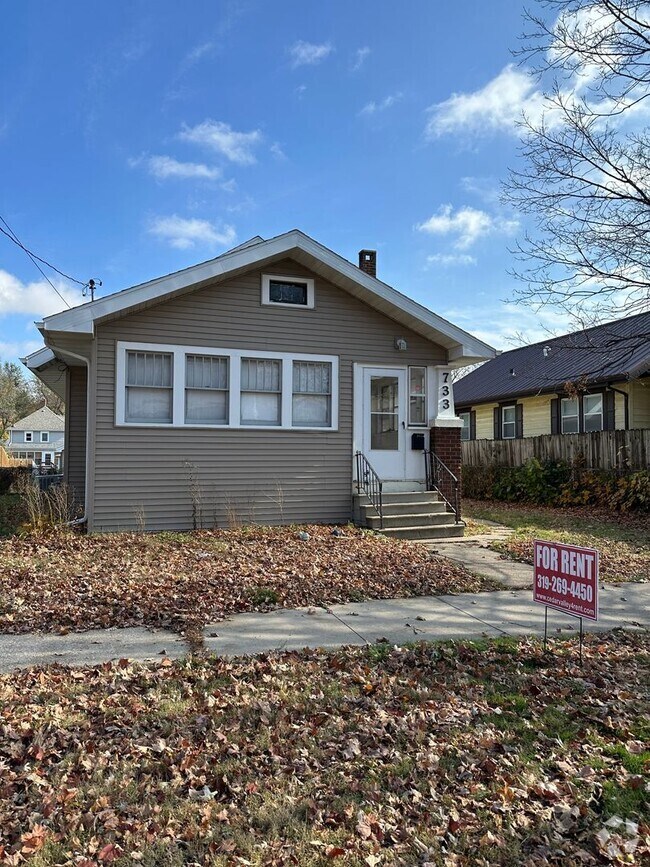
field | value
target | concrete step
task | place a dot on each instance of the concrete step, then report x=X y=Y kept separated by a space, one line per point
x=402 y=497
x=432 y=507
x=441 y=531
x=409 y=520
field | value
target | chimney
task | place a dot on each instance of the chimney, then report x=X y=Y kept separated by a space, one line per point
x=368 y=262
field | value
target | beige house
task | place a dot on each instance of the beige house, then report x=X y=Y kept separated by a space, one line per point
x=591 y=380
x=243 y=389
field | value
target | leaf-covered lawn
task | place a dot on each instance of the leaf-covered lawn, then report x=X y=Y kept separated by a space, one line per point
x=622 y=540
x=465 y=754
x=184 y=580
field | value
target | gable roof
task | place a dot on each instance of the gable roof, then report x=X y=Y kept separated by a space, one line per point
x=463 y=348
x=605 y=353
x=42 y=419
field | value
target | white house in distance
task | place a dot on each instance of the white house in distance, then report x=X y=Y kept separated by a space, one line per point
x=38 y=437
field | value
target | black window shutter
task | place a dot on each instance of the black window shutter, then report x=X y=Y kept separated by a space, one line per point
x=519 y=421
x=497 y=422
x=555 y=415
x=472 y=424
x=609 y=405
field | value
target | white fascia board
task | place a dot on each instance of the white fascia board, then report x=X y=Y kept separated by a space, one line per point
x=82 y=319
x=39 y=358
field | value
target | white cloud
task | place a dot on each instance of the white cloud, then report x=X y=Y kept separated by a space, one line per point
x=309 y=53
x=450 y=259
x=300 y=90
x=18 y=349
x=360 y=57
x=221 y=137
x=498 y=106
x=35 y=299
x=183 y=234
x=466 y=225
x=373 y=107
x=163 y=167
x=198 y=52
x=277 y=152
x=504 y=324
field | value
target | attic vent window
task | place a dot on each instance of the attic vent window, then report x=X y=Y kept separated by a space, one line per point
x=287 y=291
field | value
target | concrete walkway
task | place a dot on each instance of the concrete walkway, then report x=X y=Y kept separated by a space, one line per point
x=467 y=615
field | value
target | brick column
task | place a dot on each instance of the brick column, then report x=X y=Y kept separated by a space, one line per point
x=445 y=442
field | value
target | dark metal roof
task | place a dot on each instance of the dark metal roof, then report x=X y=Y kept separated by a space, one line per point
x=605 y=353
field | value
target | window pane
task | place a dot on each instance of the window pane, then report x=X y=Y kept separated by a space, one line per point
x=288 y=292
x=206 y=406
x=149 y=404
x=417 y=380
x=384 y=435
x=569 y=406
x=206 y=371
x=311 y=377
x=260 y=374
x=152 y=369
x=260 y=409
x=464 y=431
x=593 y=403
x=570 y=424
x=417 y=408
x=593 y=422
x=508 y=415
x=508 y=432
x=311 y=410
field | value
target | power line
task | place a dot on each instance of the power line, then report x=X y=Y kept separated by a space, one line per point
x=13 y=237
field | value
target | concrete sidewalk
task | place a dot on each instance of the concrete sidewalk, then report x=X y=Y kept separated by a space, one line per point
x=467 y=615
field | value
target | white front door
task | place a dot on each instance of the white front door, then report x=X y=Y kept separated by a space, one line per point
x=384 y=421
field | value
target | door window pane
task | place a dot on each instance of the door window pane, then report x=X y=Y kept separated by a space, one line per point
x=384 y=414
x=569 y=413
x=261 y=386
x=592 y=405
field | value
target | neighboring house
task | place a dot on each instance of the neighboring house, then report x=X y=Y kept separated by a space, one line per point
x=591 y=380
x=240 y=389
x=38 y=437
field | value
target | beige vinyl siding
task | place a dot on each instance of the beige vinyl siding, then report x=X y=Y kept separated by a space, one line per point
x=640 y=403
x=485 y=421
x=75 y=432
x=243 y=475
x=537 y=415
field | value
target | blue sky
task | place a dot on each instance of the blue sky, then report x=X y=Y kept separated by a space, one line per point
x=139 y=138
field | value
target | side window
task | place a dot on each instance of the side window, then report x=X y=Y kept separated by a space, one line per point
x=417 y=397
x=592 y=409
x=569 y=415
x=465 y=434
x=508 y=422
x=149 y=387
x=261 y=391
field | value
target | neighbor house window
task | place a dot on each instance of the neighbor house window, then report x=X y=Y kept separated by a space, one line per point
x=312 y=394
x=45 y=436
x=206 y=389
x=465 y=430
x=287 y=291
x=417 y=397
x=592 y=411
x=569 y=409
x=29 y=436
x=261 y=391
x=508 y=423
x=149 y=387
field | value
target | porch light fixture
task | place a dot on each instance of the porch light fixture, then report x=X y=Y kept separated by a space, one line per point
x=400 y=344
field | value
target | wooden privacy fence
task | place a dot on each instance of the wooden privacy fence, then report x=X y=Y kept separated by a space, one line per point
x=602 y=450
x=7 y=461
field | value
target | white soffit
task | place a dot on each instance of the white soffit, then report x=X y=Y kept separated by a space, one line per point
x=335 y=268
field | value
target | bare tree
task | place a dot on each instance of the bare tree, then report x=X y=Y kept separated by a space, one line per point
x=584 y=177
x=42 y=394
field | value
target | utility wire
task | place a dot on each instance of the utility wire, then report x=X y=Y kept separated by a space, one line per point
x=36 y=259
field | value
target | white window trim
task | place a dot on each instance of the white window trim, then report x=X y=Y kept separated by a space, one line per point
x=513 y=422
x=234 y=356
x=30 y=434
x=575 y=415
x=45 y=436
x=411 y=424
x=266 y=288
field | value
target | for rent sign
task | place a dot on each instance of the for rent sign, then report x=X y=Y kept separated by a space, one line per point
x=566 y=578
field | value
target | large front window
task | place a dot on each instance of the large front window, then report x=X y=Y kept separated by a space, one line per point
x=188 y=386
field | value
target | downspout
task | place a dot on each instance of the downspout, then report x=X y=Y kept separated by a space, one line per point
x=626 y=406
x=78 y=522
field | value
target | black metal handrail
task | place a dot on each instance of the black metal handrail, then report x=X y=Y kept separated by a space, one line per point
x=441 y=479
x=371 y=484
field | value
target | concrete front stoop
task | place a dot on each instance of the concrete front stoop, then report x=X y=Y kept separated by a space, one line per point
x=414 y=514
